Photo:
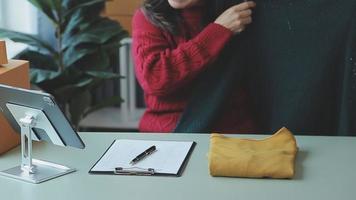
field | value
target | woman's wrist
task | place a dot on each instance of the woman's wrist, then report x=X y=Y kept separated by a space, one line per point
x=222 y=28
x=213 y=38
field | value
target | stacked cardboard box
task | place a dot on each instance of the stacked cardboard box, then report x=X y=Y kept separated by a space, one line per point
x=122 y=11
x=14 y=73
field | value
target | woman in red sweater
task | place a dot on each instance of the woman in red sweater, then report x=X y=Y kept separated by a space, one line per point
x=171 y=48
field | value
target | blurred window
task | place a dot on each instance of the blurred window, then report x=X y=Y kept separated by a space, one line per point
x=17 y=15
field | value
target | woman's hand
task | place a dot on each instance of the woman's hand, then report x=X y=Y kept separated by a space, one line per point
x=237 y=17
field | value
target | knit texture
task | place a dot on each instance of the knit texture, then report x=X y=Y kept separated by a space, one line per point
x=167 y=67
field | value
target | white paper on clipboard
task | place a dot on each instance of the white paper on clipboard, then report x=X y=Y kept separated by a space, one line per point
x=167 y=159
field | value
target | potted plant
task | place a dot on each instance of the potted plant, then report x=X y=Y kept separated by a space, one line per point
x=81 y=60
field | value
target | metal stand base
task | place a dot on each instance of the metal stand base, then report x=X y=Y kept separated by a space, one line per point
x=45 y=171
x=32 y=170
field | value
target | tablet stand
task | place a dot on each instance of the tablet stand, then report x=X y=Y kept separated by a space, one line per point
x=32 y=170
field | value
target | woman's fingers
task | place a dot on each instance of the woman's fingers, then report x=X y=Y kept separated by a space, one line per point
x=246 y=20
x=242 y=24
x=244 y=6
x=245 y=13
x=237 y=17
x=241 y=29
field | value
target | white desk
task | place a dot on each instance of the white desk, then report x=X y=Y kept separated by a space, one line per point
x=325 y=170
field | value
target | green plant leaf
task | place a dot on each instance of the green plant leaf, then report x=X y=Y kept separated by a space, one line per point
x=66 y=92
x=89 y=45
x=112 y=45
x=74 y=23
x=38 y=60
x=66 y=77
x=103 y=75
x=26 y=39
x=68 y=13
x=78 y=105
x=40 y=75
x=81 y=16
x=97 y=33
x=49 y=7
x=99 y=60
x=73 y=54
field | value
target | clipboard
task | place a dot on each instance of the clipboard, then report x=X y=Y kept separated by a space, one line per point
x=169 y=159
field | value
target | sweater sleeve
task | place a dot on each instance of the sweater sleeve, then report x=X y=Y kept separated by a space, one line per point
x=161 y=69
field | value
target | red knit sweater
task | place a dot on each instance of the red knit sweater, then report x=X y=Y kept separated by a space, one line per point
x=167 y=65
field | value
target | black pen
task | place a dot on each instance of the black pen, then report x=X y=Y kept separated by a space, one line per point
x=143 y=154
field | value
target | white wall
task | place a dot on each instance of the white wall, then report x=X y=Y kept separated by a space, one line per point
x=1 y=14
x=17 y=15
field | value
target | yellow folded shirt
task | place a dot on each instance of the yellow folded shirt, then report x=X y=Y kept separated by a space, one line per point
x=272 y=157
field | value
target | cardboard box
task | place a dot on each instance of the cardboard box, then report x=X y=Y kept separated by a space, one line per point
x=120 y=7
x=122 y=11
x=3 y=56
x=15 y=73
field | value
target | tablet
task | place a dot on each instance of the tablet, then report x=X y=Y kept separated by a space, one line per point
x=12 y=98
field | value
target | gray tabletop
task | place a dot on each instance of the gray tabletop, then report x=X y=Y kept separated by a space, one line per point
x=324 y=170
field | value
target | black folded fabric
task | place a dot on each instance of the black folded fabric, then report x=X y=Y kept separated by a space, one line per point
x=297 y=61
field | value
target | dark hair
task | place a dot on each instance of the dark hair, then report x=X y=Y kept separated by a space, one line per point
x=162 y=15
